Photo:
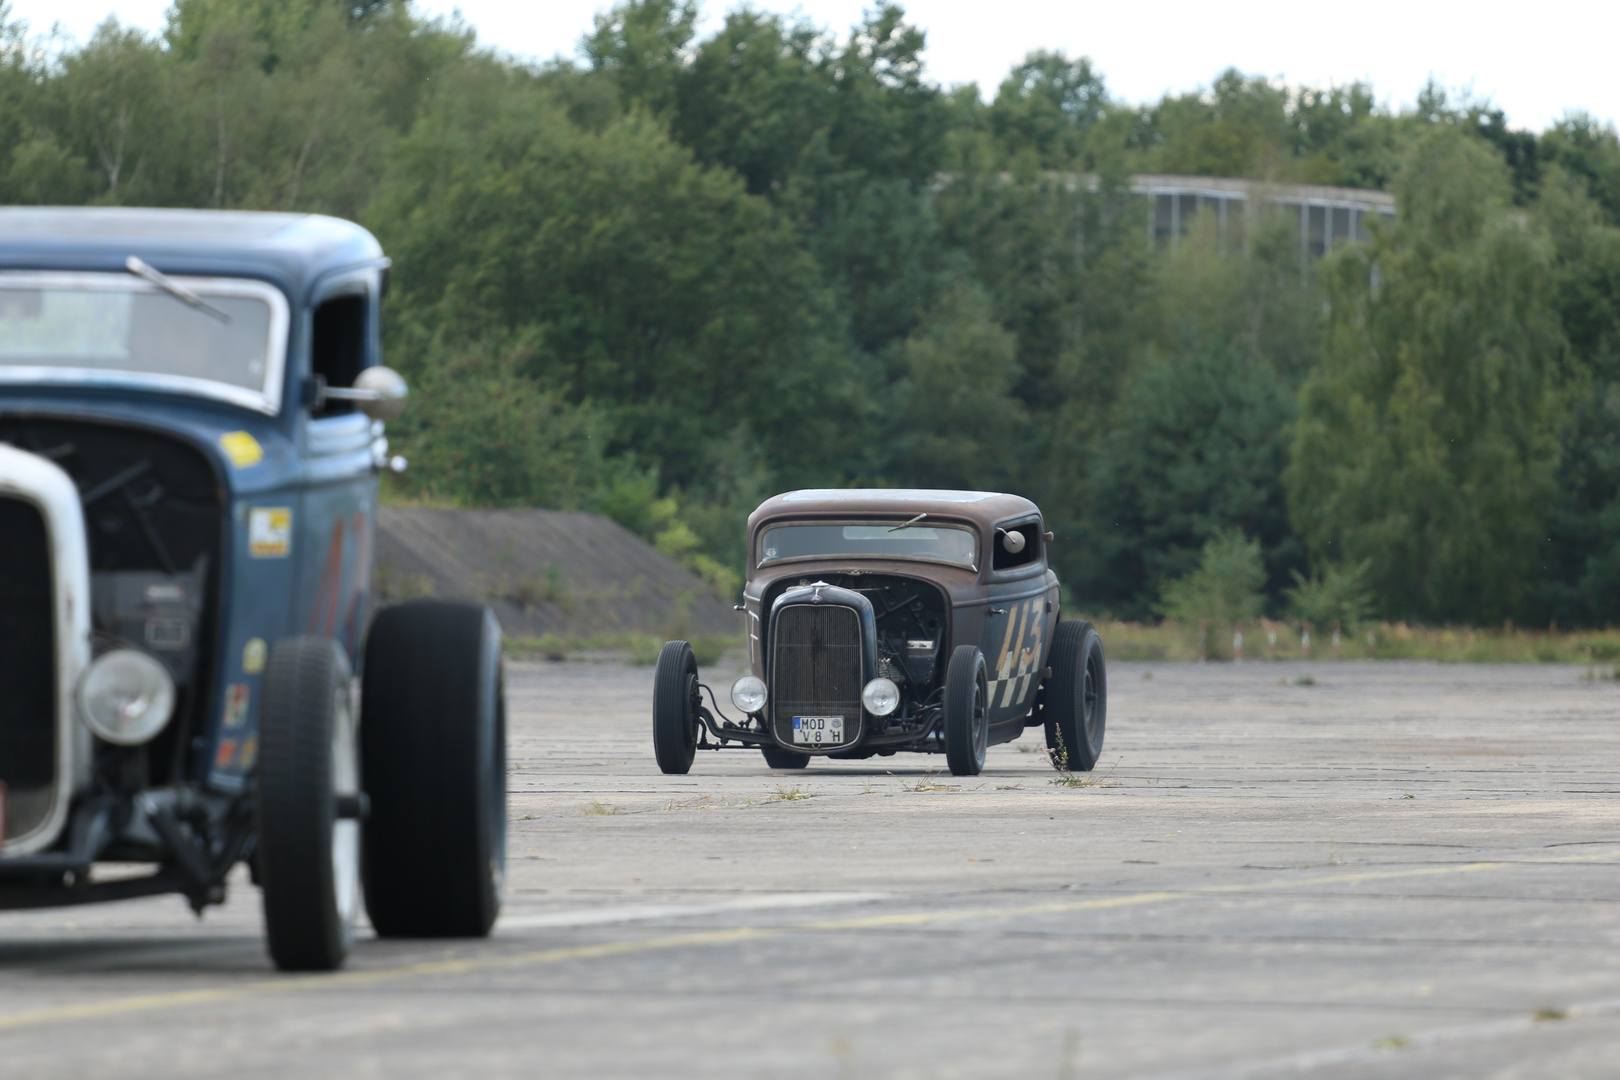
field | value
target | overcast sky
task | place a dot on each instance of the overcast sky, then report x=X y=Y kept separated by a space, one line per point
x=1534 y=60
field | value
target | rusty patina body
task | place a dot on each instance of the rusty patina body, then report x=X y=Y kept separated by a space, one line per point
x=1008 y=612
x=882 y=620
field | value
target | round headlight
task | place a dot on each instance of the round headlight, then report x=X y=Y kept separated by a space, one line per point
x=126 y=696
x=881 y=697
x=748 y=693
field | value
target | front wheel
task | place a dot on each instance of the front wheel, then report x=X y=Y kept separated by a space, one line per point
x=309 y=857
x=1076 y=697
x=675 y=708
x=967 y=714
x=433 y=748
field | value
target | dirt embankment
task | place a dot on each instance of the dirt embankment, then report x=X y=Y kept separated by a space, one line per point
x=545 y=572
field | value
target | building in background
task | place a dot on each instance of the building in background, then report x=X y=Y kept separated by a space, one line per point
x=1325 y=216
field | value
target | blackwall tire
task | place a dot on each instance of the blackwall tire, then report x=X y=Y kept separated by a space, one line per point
x=309 y=859
x=675 y=705
x=967 y=715
x=433 y=761
x=777 y=758
x=1075 y=698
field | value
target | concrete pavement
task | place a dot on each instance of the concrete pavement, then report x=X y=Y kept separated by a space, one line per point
x=1336 y=870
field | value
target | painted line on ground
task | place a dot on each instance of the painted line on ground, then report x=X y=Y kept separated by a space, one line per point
x=147 y=1003
x=643 y=912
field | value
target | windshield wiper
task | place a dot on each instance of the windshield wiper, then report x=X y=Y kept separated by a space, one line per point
x=907 y=524
x=163 y=281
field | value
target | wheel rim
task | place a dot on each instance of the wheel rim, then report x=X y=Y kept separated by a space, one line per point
x=345 y=831
x=694 y=702
x=981 y=718
x=1088 y=702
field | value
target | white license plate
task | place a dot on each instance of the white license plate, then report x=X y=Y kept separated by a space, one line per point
x=818 y=730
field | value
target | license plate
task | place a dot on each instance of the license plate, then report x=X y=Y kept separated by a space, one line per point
x=818 y=730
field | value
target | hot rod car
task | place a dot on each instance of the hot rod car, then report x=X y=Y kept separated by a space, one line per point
x=191 y=409
x=887 y=620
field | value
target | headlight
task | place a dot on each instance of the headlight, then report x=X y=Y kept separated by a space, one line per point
x=881 y=697
x=748 y=694
x=126 y=696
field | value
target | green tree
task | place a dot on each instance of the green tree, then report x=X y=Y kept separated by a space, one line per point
x=1196 y=451
x=481 y=432
x=1223 y=588
x=959 y=424
x=1337 y=596
x=1427 y=439
x=1045 y=109
x=659 y=290
x=1581 y=571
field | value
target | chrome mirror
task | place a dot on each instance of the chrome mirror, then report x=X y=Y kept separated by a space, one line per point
x=379 y=391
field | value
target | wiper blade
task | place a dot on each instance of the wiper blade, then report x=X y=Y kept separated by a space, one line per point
x=163 y=281
x=908 y=524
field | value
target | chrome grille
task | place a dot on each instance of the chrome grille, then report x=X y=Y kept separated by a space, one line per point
x=27 y=667
x=816 y=667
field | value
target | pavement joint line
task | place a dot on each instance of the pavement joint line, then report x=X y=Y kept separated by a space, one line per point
x=145 y=1003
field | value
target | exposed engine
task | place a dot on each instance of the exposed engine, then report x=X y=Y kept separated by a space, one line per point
x=911 y=628
x=152 y=509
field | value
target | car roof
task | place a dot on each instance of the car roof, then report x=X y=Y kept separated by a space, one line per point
x=983 y=507
x=291 y=250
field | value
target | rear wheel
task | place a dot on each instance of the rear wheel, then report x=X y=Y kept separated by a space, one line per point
x=675 y=708
x=1075 y=701
x=967 y=716
x=433 y=751
x=308 y=858
x=777 y=758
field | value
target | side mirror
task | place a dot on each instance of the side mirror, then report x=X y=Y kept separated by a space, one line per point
x=379 y=391
x=1011 y=540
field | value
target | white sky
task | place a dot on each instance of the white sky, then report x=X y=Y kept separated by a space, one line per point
x=1534 y=60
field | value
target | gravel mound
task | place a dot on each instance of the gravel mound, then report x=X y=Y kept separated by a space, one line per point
x=545 y=572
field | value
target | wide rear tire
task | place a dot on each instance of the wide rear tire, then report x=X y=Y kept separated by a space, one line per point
x=1075 y=698
x=433 y=757
x=967 y=713
x=675 y=708
x=308 y=858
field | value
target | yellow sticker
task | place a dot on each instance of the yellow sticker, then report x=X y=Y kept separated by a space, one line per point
x=243 y=449
x=253 y=654
x=250 y=753
x=270 y=532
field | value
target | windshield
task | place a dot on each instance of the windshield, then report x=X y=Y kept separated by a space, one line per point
x=120 y=329
x=871 y=540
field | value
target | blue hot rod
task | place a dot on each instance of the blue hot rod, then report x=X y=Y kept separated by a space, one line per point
x=191 y=428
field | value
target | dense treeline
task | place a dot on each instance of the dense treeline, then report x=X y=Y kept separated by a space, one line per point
x=683 y=272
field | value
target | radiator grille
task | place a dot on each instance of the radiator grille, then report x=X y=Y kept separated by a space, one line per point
x=27 y=666
x=816 y=667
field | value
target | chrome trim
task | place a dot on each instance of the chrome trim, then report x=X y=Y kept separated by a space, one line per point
x=275 y=365
x=42 y=483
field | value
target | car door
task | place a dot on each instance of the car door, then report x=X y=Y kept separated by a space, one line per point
x=1016 y=624
x=341 y=452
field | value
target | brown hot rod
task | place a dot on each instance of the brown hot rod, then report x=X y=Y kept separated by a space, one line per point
x=884 y=620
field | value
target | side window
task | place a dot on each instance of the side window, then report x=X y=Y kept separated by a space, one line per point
x=338 y=345
x=1017 y=545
